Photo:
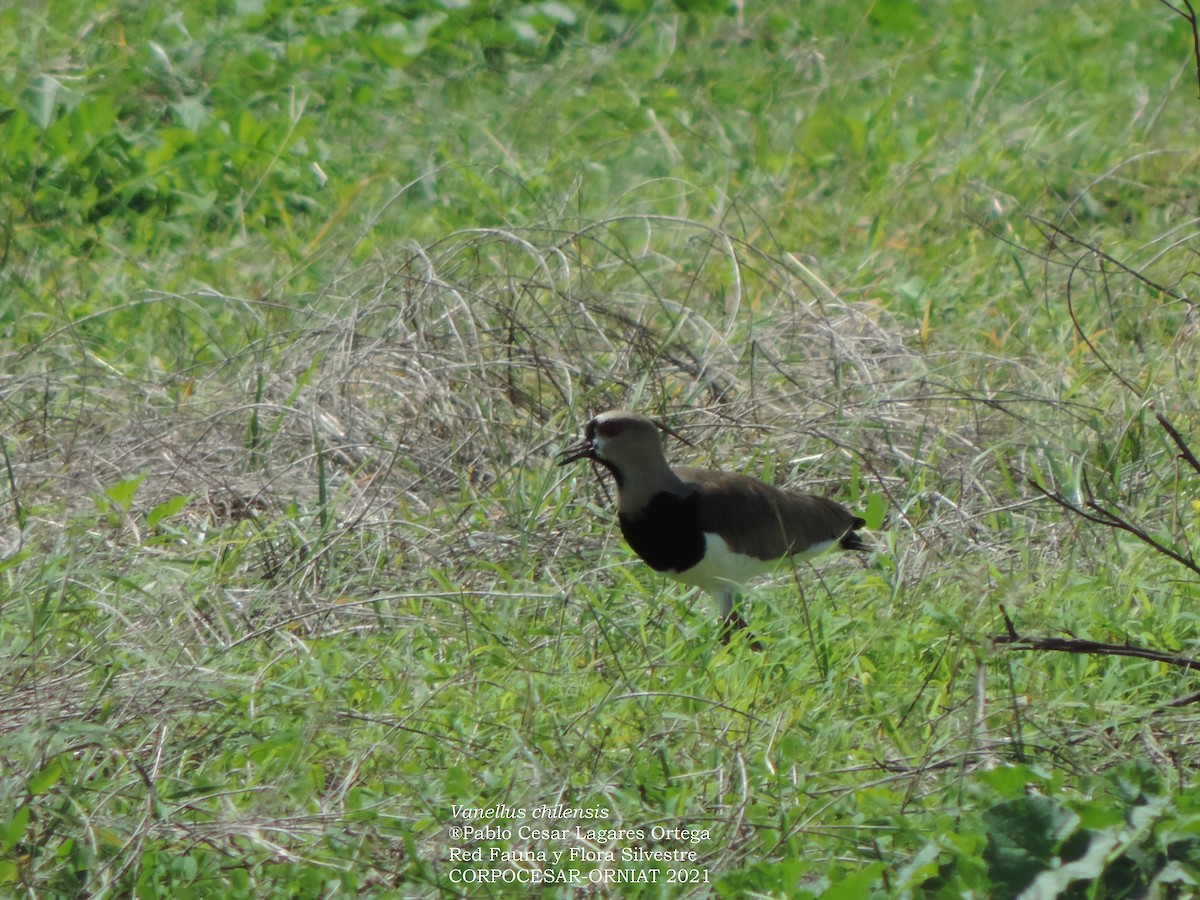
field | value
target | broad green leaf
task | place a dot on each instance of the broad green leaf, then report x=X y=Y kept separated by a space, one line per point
x=122 y=493
x=14 y=830
x=166 y=509
x=46 y=778
x=855 y=886
x=874 y=513
x=40 y=99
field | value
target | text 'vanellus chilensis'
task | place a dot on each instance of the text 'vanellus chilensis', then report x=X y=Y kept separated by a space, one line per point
x=715 y=530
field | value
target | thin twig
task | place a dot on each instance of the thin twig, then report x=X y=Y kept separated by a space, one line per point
x=1096 y=648
x=1095 y=351
x=1092 y=248
x=1185 y=700
x=1185 y=452
x=1102 y=516
x=1113 y=520
x=1190 y=16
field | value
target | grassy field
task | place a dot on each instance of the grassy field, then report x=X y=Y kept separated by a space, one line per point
x=300 y=301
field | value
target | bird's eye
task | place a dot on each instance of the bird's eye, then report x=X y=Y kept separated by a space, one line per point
x=589 y=430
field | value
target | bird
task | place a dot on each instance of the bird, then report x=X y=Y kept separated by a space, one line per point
x=708 y=528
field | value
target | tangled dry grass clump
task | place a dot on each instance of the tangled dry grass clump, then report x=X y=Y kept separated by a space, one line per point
x=441 y=373
x=411 y=410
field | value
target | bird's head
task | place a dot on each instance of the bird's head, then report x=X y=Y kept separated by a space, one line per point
x=622 y=441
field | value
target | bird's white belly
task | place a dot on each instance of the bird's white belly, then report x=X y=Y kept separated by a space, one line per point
x=722 y=568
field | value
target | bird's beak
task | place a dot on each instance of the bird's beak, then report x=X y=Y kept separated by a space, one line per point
x=585 y=449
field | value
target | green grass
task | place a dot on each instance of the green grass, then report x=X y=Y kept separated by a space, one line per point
x=299 y=303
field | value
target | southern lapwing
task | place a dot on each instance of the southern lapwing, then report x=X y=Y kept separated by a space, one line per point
x=712 y=529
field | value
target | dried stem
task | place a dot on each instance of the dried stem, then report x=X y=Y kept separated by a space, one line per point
x=1078 y=645
x=1102 y=516
x=1185 y=452
x=1051 y=231
x=1190 y=16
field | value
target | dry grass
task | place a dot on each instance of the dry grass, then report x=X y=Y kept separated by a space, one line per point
x=439 y=376
x=437 y=379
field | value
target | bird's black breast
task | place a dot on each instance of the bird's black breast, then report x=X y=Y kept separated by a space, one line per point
x=666 y=534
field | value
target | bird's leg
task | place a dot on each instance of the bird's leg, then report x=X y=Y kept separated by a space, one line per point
x=731 y=619
x=734 y=622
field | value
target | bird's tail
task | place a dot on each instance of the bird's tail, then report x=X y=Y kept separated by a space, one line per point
x=851 y=540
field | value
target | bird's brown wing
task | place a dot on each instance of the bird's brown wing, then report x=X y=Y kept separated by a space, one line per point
x=763 y=521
